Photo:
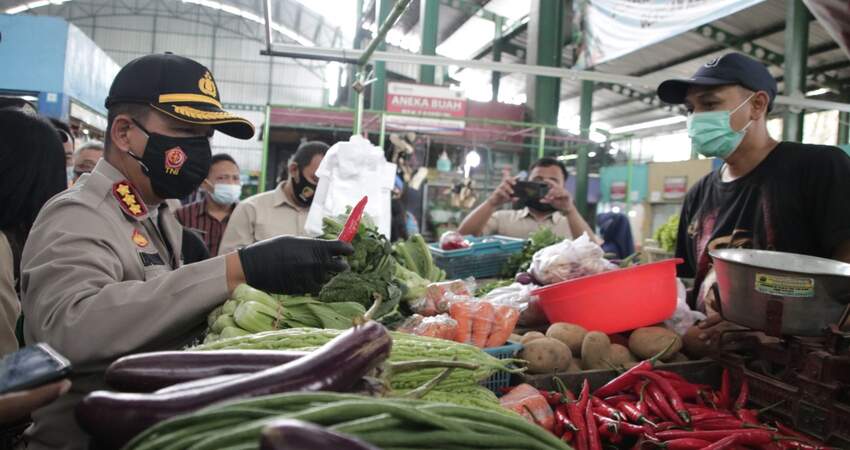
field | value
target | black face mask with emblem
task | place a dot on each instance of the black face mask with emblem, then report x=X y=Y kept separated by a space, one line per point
x=304 y=189
x=175 y=165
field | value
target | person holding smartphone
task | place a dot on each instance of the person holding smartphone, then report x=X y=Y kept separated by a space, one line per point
x=543 y=202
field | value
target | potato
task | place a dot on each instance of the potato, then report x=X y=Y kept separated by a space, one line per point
x=575 y=366
x=649 y=341
x=619 y=355
x=530 y=336
x=546 y=355
x=595 y=350
x=569 y=334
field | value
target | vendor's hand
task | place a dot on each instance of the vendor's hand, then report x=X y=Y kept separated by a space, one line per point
x=15 y=406
x=292 y=265
x=504 y=193
x=558 y=197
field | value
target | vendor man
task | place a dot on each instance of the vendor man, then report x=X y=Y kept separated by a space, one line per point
x=101 y=271
x=781 y=196
x=555 y=211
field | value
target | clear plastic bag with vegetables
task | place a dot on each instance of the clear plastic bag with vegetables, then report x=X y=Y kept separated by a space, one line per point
x=568 y=259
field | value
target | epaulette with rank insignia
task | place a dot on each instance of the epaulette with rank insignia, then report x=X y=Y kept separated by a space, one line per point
x=128 y=199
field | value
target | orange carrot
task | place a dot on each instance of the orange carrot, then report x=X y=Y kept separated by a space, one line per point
x=462 y=313
x=506 y=319
x=483 y=316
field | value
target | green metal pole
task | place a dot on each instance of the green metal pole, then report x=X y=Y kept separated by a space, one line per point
x=383 y=134
x=843 y=128
x=581 y=163
x=496 y=77
x=545 y=25
x=352 y=76
x=265 y=160
x=379 y=87
x=541 y=144
x=429 y=17
x=796 y=54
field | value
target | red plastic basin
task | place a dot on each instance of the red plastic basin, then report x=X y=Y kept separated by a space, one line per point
x=614 y=301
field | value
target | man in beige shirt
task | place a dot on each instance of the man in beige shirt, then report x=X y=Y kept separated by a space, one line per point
x=555 y=211
x=282 y=211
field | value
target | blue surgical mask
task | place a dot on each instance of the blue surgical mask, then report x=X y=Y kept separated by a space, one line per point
x=69 y=173
x=226 y=194
x=712 y=135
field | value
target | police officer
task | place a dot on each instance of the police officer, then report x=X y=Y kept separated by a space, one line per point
x=101 y=271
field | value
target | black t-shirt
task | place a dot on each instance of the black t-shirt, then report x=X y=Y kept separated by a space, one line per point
x=795 y=201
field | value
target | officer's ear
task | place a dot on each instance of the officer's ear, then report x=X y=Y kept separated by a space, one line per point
x=293 y=171
x=119 y=132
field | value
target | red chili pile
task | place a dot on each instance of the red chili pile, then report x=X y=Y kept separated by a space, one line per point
x=646 y=408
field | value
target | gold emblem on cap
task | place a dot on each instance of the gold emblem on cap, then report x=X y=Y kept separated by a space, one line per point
x=207 y=85
x=198 y=114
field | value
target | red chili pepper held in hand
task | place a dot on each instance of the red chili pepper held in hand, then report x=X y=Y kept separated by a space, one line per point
x=352 y=224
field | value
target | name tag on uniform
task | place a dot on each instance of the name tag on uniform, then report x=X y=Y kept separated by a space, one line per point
x=151 y=259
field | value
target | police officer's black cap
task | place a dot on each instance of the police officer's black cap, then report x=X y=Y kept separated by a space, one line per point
x=732 y=68
x=178 y=87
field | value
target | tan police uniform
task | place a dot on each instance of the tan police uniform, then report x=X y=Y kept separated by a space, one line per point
x=520 y=223
x=101 y=278
x=263 y=216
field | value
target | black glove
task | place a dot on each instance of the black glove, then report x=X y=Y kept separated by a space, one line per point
x=292 y=265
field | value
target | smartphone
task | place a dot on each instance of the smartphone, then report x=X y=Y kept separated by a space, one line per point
x=32 y=366
x=529 y=190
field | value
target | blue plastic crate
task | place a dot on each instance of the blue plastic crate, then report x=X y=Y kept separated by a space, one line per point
x=484 y=258
x=501 y=379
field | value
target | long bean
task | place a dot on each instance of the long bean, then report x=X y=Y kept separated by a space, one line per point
x=440 y=438
x=529 y=429
x=379 y=422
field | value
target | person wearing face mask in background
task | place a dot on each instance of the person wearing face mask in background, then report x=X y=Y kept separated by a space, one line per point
x=282 y=211
x=210 y=215
x=102 y=271
x=86 y=157
x=555 y=210
x=781 y=196
x=68 y=144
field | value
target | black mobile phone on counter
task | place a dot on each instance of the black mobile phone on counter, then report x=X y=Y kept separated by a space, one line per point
x=31 y=367
x=530 y=190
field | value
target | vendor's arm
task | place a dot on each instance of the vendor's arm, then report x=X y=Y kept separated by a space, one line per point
x=476 y=222
x=561 y=199
x=240 y=228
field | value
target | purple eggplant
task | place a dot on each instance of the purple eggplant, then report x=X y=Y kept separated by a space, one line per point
x=112 y=419
x=523 y=278
x=203 y=382
x=290 y=434
x=148 y=372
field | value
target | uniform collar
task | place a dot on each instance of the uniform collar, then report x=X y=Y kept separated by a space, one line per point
x=280 y=198
x=524 y=212
x=123 y=192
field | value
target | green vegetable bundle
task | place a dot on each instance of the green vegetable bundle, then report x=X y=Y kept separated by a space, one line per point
x=383 y=422
x=406 y=347
x=666 y=234
x=253 y=311
x=520 y=262
x=415 y=256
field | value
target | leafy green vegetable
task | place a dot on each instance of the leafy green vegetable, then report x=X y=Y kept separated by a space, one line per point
x=666 y=234
x=414 y=284
x=361 y=288
x=483 y=290
x=415 y=256
x=519 y=262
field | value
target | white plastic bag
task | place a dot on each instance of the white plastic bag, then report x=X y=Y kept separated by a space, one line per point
x=684 y=317
x=349 y=171
x=569 y=259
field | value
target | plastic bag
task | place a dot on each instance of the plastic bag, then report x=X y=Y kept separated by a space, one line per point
x=519 y=296
x=439 y=295
x=483 y=323
x=527 y=401
x=684 y=317
x=568 y=259
x=349 y=171
x=441 y=326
